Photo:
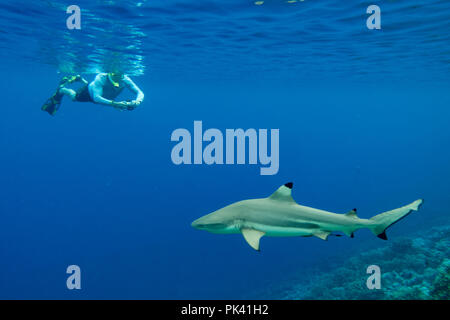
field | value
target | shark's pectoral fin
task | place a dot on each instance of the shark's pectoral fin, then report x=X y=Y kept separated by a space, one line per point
x=321 y=234
x=252 y=237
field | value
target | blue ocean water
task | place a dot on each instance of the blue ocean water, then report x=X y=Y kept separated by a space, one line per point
x=363 y=118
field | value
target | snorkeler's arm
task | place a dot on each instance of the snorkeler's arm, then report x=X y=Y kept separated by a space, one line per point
x=84 y=81
x=133 y=87
x=97 y=91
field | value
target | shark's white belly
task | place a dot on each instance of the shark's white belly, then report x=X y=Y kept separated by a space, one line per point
x=284 y=232
x=281 y=231
x=285 y=221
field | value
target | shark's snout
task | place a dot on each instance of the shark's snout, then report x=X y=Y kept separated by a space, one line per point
x=200 y=223
x=196 y=224
x=209 y=223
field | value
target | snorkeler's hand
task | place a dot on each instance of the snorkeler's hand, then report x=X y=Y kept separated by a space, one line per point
x=120 y=105
x=131 y=105
x=136 y=103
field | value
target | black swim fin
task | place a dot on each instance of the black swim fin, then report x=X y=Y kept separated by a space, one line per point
x=53 y=103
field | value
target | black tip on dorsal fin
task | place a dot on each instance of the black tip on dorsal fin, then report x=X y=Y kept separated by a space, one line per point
x=289 y=185
x=352 y=235
x=354 y=209
x=382 y=235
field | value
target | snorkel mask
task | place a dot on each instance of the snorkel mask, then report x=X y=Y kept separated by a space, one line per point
x=114 y=77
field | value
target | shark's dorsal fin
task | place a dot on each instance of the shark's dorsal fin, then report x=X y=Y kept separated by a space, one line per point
x=351 y=214
x=283 y=193
x=321 y=234
x=252 y=237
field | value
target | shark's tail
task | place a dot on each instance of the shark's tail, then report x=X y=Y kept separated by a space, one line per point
x=384 y=220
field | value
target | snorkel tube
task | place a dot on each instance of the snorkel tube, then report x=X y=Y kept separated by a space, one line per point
x=112 y=75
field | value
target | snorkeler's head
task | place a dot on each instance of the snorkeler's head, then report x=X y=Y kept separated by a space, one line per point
x=115 y=78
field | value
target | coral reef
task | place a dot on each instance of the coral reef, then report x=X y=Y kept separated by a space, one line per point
x=411 y=268
x=441 y=285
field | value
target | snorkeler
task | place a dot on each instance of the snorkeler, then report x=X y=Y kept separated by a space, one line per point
x=103 y=90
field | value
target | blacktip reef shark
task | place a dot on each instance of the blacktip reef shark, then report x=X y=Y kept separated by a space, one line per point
x=280 y=216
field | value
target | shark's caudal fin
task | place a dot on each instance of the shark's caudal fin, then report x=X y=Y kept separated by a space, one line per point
x=383 y=220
